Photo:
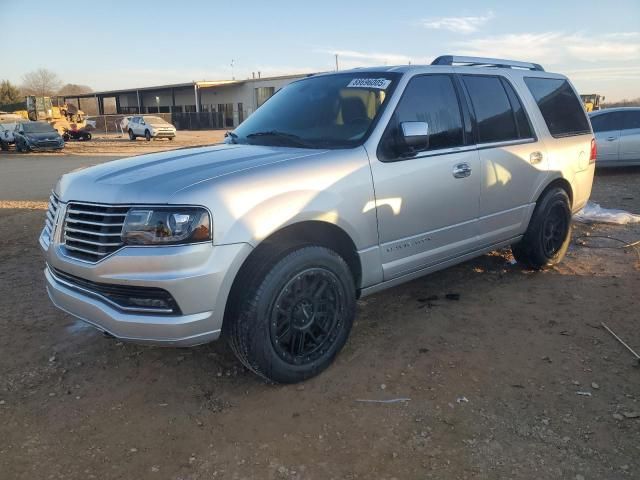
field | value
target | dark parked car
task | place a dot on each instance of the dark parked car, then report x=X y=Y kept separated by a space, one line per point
x=37 y=136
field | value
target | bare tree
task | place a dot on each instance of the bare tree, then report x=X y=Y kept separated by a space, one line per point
x=73 y=89
x=41 y=82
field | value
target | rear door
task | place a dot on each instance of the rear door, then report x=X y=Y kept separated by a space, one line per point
x=629 y=150
x=606 y=127
x=133 y=125
x=512 y=161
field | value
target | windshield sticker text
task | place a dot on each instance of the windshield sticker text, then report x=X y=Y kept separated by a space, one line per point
x=379 y=83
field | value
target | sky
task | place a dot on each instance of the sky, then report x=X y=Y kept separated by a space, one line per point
x=135 y=43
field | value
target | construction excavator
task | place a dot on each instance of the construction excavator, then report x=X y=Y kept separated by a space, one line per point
x=592 y=101
x=64 y=117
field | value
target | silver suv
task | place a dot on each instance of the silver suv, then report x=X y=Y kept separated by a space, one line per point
x=339 y=186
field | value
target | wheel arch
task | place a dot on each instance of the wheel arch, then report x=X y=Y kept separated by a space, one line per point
x=281 y=242
x=558 y=182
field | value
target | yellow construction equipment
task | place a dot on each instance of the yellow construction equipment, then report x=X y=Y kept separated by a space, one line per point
x=592 y=101
x=61 y=116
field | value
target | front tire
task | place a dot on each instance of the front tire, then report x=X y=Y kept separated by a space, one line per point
x=293 y=320
x=147 y=135
x=132 y=136
x=547 y=238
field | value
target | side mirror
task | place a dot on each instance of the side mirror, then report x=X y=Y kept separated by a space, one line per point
x=415 y=135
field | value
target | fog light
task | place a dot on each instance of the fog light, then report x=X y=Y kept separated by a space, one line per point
x=149 y=302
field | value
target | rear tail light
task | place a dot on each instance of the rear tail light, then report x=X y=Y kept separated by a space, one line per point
x=594 y=152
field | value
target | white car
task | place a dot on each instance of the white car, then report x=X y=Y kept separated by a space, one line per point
x=149 y=126
x=6 y=134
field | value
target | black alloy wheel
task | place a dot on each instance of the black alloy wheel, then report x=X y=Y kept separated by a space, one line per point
x=554 y=230
x=306 y=316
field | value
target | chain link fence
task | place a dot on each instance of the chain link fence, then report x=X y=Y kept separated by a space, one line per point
x=180 y=120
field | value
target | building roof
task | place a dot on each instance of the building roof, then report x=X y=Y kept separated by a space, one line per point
x=198 y=83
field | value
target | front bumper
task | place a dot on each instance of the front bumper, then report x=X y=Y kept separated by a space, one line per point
x=198 y=277
x=166 y=134
x=45 y=148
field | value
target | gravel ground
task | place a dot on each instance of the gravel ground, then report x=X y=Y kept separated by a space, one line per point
x=516 y=379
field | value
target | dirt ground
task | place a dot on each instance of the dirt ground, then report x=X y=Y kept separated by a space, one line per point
x=116 y=144
x=516 y=379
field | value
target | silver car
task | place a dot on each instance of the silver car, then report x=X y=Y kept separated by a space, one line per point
x=339 y=186
x=617 y=132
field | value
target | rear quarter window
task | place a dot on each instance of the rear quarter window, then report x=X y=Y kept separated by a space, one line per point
x=560 y=107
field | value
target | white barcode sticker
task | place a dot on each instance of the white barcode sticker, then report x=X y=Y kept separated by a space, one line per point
x=380 y=83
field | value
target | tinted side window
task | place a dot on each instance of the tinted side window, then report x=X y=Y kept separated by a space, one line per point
x=495 y=119
x=631 y=120
x=606 y=122
x=431 y=99
x=561 y=109
x=522 y=121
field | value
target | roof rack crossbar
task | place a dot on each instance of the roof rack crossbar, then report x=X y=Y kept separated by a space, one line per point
x=485 y=62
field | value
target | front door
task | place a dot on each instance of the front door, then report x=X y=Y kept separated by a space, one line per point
x=606 y=128
x=427 y=203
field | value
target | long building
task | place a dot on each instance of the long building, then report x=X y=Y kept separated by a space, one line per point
x=227 y=102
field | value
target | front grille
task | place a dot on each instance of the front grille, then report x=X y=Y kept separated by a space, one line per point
x=47 y=143
x=50 y=218
x=91 y=232
x=127 y=298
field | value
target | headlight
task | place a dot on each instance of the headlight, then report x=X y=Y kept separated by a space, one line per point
x=166 y=226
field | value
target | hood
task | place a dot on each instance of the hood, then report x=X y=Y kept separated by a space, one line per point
x=35 y=137
x=160 y=125
x=156 y=177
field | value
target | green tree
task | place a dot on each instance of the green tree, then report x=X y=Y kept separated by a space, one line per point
x=9 y=93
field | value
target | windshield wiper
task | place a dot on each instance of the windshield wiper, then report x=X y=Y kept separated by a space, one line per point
x=289 y=137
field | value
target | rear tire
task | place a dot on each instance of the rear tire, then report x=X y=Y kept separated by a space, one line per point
x=290 y=322
x=4 y=146
x=132 y=137
x=549 y=233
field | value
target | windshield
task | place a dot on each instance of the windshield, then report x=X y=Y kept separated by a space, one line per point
x=328 y=111
x=37 y=127
x=152 y=120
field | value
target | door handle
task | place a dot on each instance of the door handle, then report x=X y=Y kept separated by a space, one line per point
x=611 y=139
x=461 y=170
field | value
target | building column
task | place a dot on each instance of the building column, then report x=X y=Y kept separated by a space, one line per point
x=195 y=91
x=118 y=104
x=139 y=104
x=173 y=100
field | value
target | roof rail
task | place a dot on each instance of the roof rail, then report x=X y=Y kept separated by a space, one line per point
x=485 y=62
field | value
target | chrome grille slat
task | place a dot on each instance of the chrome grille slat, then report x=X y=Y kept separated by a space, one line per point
x=97 y=214
x=92 y=231
x=100 y=224
x=90 y=242
x=84 y=250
